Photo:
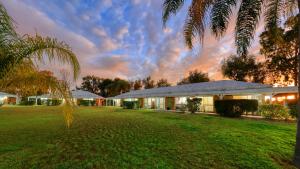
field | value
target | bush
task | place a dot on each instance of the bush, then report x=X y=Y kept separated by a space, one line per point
x=274 y=111
x=53 y=102
x=193 y=105
x=27 y=103
x=130 y=104
x=293 y=110
x=235 y=108
x=87 y=103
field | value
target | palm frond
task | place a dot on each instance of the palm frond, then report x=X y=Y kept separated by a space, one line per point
x=39 y=47
x=171 y=7
x=220 y=14
x=248 y=17
x=195 y=23
x=25 y=80
x=7 y=31
x=273 y=14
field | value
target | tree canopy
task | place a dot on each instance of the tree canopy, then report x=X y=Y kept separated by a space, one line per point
x=195 y=77
x=163 y=83
x=244 y=68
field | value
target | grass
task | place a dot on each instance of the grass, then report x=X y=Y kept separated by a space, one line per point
x=36 y=137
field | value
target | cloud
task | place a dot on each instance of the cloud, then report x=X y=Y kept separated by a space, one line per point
x=124 y=38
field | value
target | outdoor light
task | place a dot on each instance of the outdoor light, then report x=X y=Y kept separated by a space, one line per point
x=291 y=97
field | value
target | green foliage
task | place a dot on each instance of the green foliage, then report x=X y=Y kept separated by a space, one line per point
x=293 y=110
x=235 y=108
x=54 y=102
x=27 y=102
x=274 y=111
x=105 y=87
x=148 y=83
x=130 y=104
x=163 y=83
x=138 y=84
x=87 y=103
x=243 y=68
x=280 y=48
x=195 y=77
x=19 y=49
x=193 y=105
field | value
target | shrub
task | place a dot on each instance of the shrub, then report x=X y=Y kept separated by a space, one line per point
x=130 y=104
x=27 y=103
x=53 y=102
x=293 y=110
x=87 y=103
x=274 y=111
x=193 y=105
x=235 y=108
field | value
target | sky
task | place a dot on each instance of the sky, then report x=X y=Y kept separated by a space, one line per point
x=123 y=38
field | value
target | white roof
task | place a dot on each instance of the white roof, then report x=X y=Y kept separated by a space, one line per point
x=3 y=94
x=85 y=94
x=78 y=94
x=225 y=87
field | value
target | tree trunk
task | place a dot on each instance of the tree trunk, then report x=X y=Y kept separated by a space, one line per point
x=297 y=146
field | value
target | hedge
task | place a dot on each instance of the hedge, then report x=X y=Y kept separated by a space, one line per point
x=274 y=111
x=235 y=108
x=54 y=102
x=130 y=104
x=27 y=103
x=87 y=103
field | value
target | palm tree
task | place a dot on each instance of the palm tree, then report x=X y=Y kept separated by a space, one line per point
x=15 y=49
x=217 y=13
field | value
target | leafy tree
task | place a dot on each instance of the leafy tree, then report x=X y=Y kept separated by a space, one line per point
x=218 y=14
x=281 y=51
x=105 y=87
x=118 y=86
x=243 y=68
x=137 y=85
x=193 y=104
x=195 y=77
x=163 y=83
x=148 y=83
x=15 y=49
x=91 y=84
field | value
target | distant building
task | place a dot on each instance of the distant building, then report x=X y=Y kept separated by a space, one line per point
x=79 y=97
x=170 y=98
x=6 y=98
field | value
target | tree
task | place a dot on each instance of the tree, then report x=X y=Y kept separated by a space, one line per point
x=218 y=12
x=281 y=51
x=137 y=85
x=243 y=68
x=195 y=77
x=91 y=84
x=148 y=83
x=15 y=49
x=163 y=83
x=118 y=86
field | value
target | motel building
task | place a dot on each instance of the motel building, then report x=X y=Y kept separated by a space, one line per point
x=171 y=98
x=78 y=97
x=6 y=98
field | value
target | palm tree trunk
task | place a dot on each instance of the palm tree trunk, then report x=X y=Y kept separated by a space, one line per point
x=297 y=147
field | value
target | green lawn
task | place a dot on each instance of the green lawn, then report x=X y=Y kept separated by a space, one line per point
x=36 y=137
